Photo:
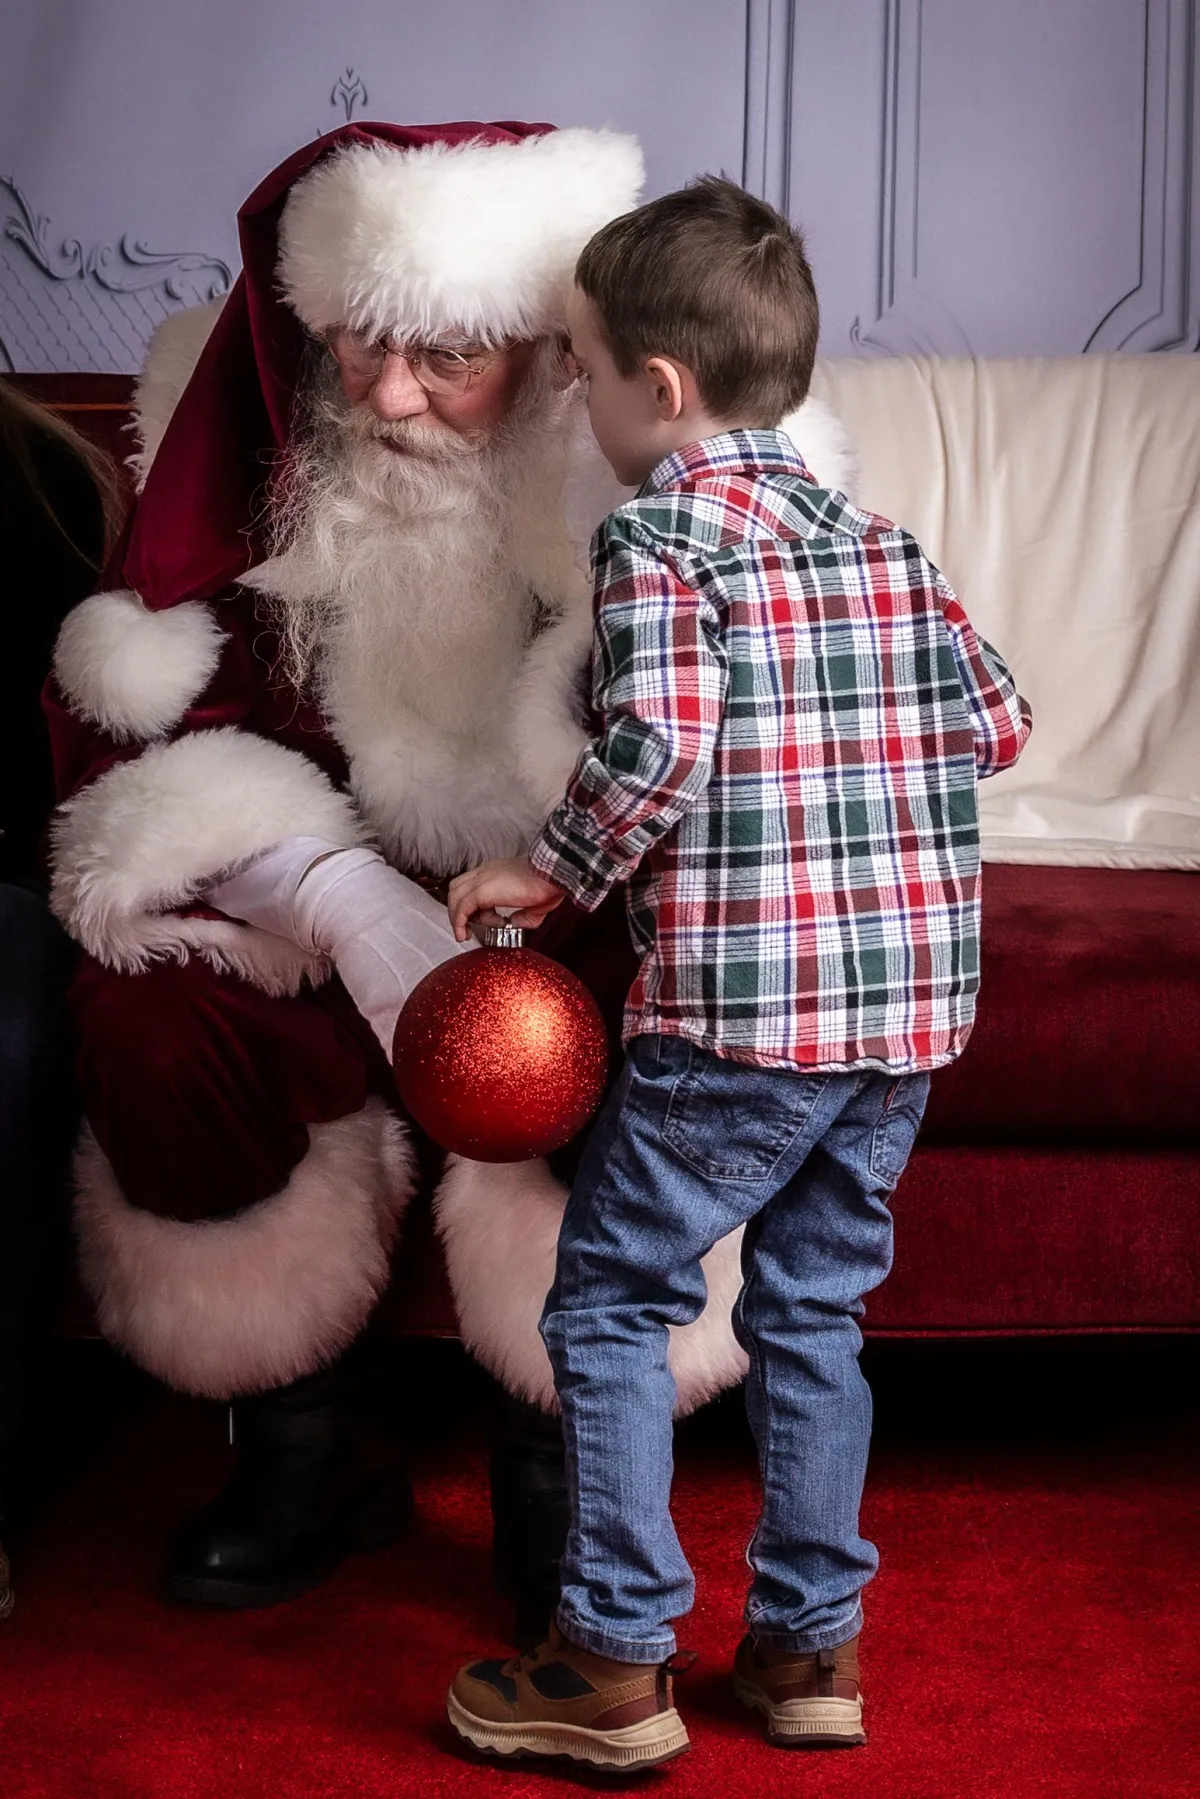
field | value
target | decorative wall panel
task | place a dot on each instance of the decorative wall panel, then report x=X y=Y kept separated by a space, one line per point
x=1162 y=310
x=65 y=307
x=770 y=55
x=1035 y=183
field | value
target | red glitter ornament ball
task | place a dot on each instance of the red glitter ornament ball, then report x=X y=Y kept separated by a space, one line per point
x=500 y=1055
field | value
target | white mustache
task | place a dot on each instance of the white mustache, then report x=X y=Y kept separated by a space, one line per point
x=429 y=443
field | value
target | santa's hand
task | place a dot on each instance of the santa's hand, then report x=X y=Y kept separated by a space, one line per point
x=510 y=882
x=382 y=932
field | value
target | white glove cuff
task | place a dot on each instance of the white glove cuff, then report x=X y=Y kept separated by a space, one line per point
x=382 y=932
x=264 y=893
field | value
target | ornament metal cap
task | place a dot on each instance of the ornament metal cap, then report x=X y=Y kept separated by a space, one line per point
x=503 y=936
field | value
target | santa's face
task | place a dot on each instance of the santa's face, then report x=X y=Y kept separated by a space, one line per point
x=397 y=388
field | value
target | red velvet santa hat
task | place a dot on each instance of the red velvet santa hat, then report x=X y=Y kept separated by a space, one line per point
x=420 y=230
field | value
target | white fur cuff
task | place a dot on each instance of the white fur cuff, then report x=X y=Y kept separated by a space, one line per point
x=153 y=834
x=247 y=1303
x=499 y=1226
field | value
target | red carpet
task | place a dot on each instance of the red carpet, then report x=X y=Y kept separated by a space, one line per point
x=1034 y=1629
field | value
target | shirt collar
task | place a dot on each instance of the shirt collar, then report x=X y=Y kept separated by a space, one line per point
x=731 y=452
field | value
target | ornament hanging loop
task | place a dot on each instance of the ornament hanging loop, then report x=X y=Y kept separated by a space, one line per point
x=503 y=936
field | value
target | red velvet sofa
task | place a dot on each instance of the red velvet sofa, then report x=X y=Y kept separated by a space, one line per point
x=1055 y=1187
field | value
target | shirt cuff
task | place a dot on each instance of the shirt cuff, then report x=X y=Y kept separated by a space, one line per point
x=571 y=858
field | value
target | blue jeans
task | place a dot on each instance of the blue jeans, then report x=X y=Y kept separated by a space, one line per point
x=688 y=1146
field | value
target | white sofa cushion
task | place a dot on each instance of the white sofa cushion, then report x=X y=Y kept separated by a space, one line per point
x=1061 y=498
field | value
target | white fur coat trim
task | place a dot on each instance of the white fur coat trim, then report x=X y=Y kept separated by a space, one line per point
x=238 y=1305
x=477 y=237
x=499 y=1227
x=172 y=354
x=824 y=445
x=548 y=731
x=133 y=672
x=152 y=834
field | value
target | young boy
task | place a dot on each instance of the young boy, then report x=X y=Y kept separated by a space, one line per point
x=795 y=712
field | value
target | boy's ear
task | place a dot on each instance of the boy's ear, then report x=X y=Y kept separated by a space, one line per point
x=668 y=385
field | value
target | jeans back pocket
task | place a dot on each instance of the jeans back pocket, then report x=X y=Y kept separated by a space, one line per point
x=896 y=1128
x=730 y=1121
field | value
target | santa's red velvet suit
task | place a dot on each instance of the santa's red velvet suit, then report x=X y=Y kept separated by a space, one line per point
x=246 y=1166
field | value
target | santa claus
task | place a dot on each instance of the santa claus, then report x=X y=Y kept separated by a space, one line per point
x=342 y=657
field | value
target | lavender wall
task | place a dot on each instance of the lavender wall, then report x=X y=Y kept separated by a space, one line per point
x=1005 y=179
x=1000 y=178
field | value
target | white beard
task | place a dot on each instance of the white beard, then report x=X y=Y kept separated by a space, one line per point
x=407 y=589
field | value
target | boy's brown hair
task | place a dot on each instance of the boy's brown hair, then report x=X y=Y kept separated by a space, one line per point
x=718 y=281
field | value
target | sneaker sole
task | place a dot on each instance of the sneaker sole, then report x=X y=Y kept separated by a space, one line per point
x=806 y=1723
x=646 y=1745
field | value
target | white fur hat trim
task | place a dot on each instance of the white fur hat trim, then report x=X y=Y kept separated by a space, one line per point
x=478 y=238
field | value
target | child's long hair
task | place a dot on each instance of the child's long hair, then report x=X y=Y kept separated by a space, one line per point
x=22 y=421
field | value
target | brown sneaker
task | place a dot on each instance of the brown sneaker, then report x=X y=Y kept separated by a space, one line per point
x=809 y=1701
x=563 y=1701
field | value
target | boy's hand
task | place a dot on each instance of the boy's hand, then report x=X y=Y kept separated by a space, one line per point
x=509 y=881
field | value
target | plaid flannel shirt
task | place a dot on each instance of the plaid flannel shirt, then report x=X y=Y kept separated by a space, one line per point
x=796 y=712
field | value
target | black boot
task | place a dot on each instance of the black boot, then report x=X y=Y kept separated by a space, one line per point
x=298 y=1501
x=530 y=1516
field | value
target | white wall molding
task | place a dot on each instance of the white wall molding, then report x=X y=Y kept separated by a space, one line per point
x=770 y=41
x=1162 y=310
x=907 y=319
x=62 y=306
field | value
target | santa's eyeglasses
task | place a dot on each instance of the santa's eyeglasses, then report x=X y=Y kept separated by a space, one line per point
x=439 y=370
